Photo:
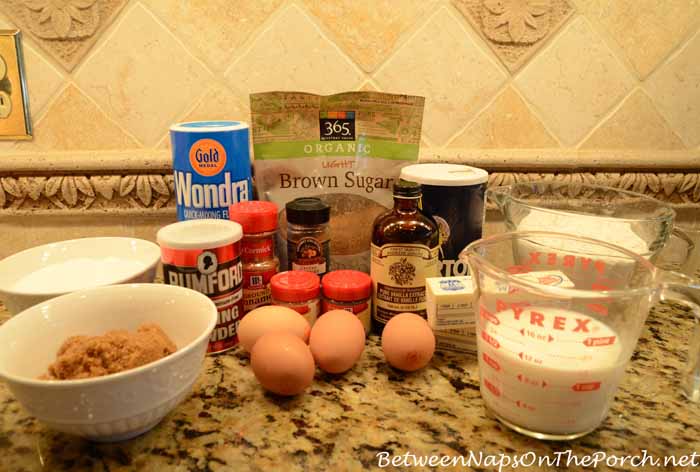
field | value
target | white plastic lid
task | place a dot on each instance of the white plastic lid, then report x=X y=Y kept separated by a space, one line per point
x=447 y=175
x=208 y=126
x=199 y=234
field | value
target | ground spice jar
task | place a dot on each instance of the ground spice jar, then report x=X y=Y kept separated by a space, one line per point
x=349 y=290
x=260 y=262
x=204 y=255
x=308 y=235
x=299 y=291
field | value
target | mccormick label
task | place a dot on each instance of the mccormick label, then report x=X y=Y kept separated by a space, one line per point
x=217 y=273
x=362 y=310
x=398 y=275
x=310 y=310
x=211 y=163
x=256 y=288
x=258 y=269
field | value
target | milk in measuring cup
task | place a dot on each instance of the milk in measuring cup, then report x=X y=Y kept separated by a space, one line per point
x=548 y=369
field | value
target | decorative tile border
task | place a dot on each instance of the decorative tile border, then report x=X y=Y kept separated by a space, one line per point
x=82 y=192
x=146 y=193
x=142 y=183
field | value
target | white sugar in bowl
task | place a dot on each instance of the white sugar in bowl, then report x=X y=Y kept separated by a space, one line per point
x=43 y=272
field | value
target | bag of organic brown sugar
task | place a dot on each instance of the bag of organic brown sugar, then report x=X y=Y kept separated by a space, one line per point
x=346 y=149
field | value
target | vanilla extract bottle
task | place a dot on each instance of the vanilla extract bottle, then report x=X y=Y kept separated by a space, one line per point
x=405 y=249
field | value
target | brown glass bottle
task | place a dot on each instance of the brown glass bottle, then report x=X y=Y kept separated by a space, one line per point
x=405 y=248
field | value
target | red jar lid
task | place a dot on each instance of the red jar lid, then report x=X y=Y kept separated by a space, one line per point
x=347 y=285
x=254 y=216
x=295 y=286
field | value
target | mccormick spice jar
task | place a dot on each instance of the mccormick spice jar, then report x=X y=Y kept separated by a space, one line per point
x=299 y=291
x=349 y=290
x=260 y=263
x=205 y=255
x=308 y=235
x=453 y=195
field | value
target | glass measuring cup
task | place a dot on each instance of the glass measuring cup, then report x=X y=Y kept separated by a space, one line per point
x=558 y=319
x=637 y=222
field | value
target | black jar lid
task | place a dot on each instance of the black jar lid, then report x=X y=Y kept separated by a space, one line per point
x=406 y=188
x=307 y=211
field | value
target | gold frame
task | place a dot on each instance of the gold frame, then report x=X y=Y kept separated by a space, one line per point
x=13 y=74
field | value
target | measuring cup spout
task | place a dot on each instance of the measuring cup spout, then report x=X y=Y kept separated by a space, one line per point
x=499 y=196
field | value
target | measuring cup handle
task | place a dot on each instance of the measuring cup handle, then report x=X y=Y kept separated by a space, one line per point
x=669 y=261
x=684 y=290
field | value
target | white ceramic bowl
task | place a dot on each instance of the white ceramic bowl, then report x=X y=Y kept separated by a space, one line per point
x=19 y=265
x=116 y=406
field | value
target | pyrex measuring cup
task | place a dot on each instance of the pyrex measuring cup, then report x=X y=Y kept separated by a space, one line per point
x=553 y=344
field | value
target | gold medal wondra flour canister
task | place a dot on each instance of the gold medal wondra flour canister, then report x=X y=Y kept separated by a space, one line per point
x=405 y=249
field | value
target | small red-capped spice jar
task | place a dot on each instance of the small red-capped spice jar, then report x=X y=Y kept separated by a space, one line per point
x=349 y=290
x=260 y=262
x=298 y=290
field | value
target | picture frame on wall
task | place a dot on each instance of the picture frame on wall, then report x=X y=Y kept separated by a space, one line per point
x=15 y=123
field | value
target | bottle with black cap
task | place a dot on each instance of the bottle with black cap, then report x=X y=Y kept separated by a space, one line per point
x=308 y=235
x=405 y=250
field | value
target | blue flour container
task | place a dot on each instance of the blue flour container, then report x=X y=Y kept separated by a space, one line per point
x=211 y=163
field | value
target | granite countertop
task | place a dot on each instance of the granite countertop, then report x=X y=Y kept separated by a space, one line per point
x=342 y=422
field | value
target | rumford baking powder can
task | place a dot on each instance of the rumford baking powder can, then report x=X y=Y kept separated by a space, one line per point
x=211 y=163
x=205 y=255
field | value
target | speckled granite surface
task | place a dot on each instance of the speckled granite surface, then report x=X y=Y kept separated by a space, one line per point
x=341 y=423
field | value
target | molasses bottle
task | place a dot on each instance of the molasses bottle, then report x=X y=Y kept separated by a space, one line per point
x=405 y=249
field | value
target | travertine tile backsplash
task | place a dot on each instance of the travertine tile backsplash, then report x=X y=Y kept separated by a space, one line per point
x=497 y=74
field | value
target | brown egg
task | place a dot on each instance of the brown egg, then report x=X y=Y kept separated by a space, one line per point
x=408 y=342
x=267 y=319
x=282 y=363
x=337 y=341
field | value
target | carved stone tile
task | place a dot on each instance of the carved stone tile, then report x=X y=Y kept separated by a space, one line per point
x=515 y=29
x=66 y=29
